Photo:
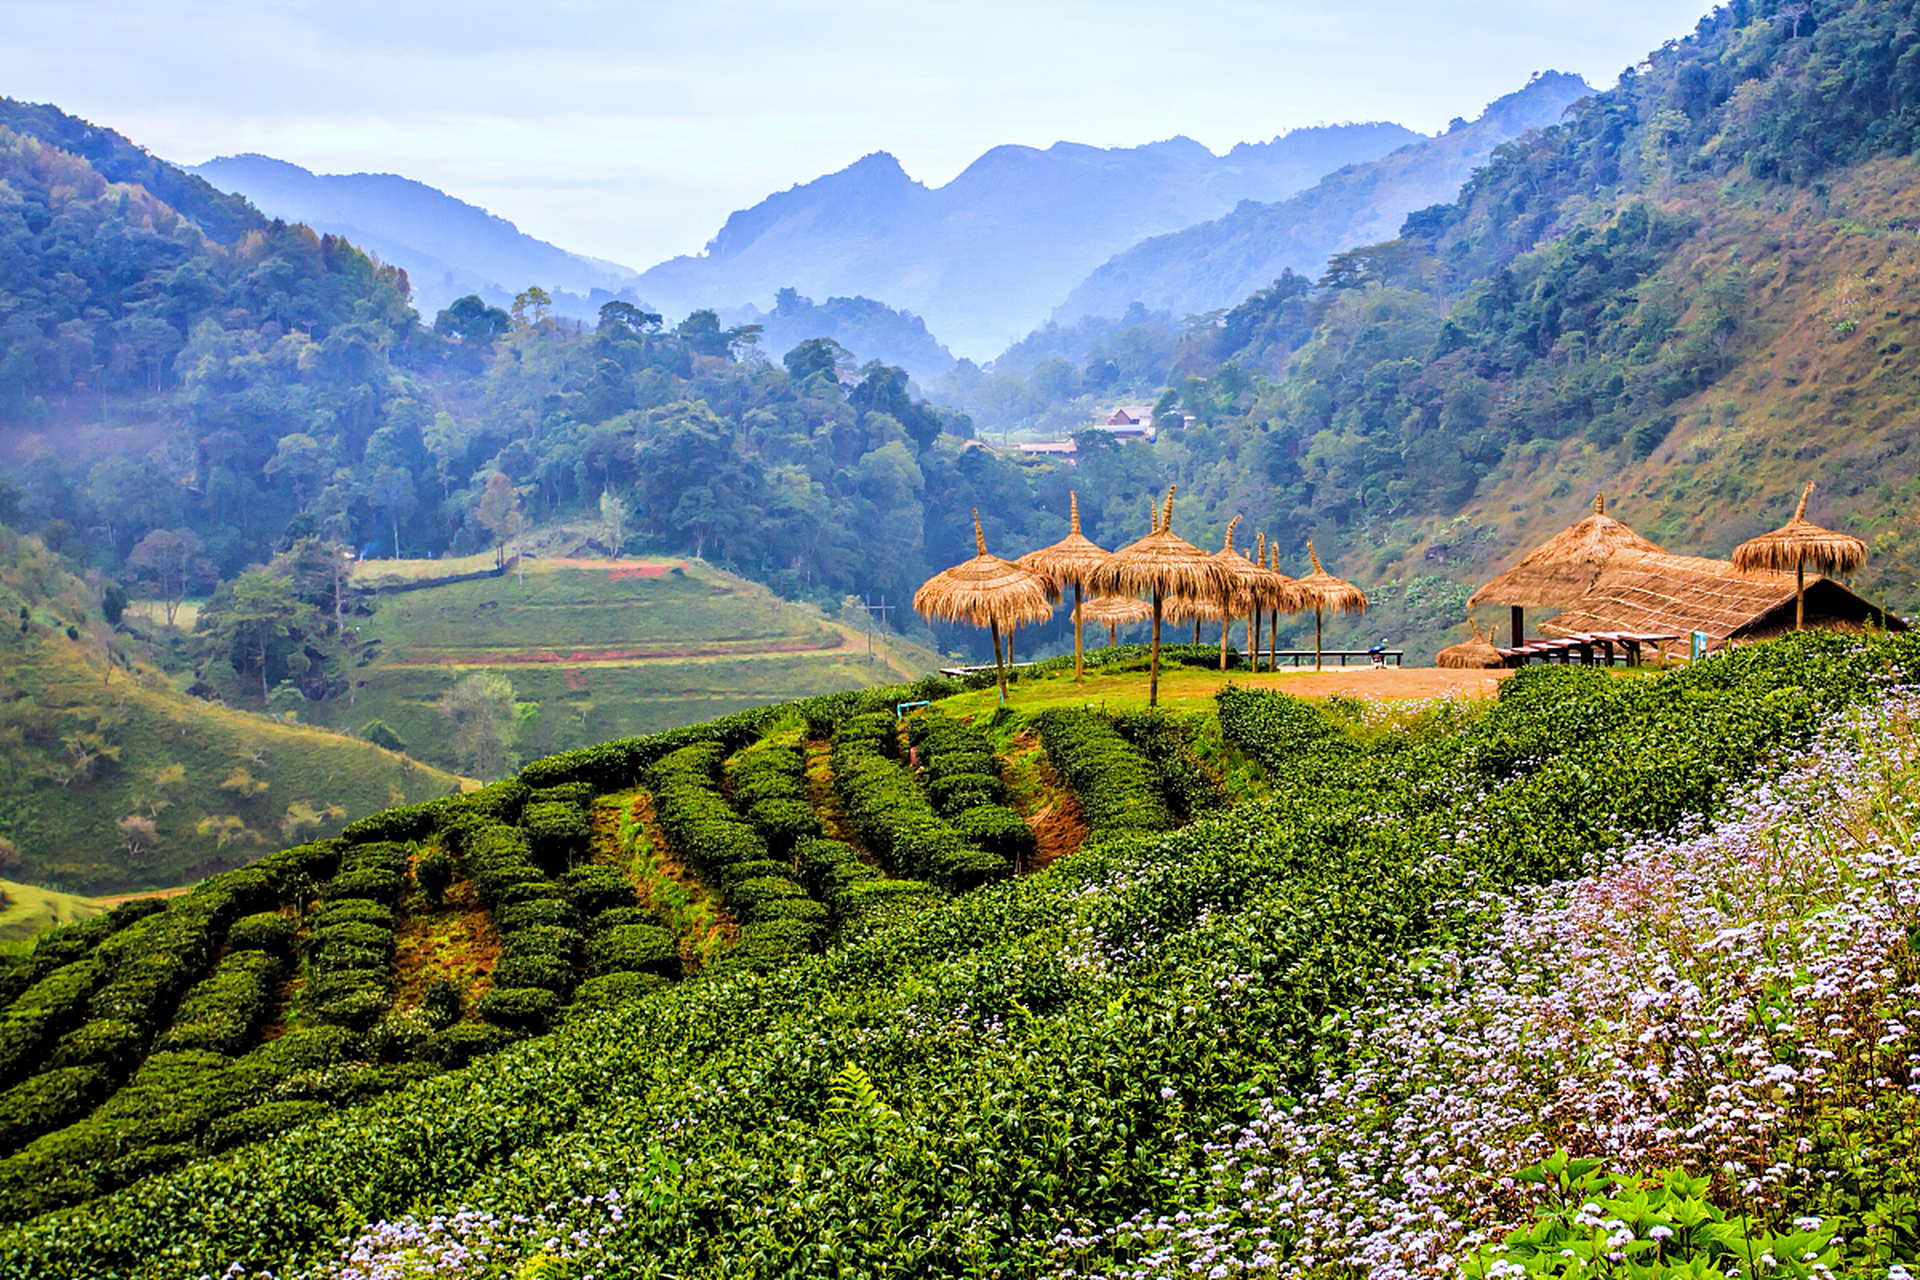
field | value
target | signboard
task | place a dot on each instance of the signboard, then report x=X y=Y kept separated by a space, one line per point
x=1699 y=645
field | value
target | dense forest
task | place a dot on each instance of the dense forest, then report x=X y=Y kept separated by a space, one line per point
x=245 y=383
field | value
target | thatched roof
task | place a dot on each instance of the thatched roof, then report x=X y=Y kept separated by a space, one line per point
x=1285 y=594
x=1186 y=608
x=1800 y=542
x=1115 y=611
x=1070 y=560
x=1683 y=594
x=1559 y=570
x=986 y=589
x=1474 y=654
x=1329 y=592
x=1161 y=564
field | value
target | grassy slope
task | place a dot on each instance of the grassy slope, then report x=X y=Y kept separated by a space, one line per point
x=26 y=910
x=1803 y=400
x=70 y=834
x=608 y=649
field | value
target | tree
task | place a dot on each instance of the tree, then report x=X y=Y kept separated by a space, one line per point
x=479 y=714
x=254 y=614
x=472 y=322
x=821 y=358
x=498 y=511
x=624 y=316
x=530 y=306
x=173 y=559
x=613 y=514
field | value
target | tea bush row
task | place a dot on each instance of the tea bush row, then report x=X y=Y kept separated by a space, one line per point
x=963 y=781
x=1190 y=788
x=732 y=857
x=1030 y=1057
x=893 y=818
x=767 y=782
x=1116 y=786
x=858 y=898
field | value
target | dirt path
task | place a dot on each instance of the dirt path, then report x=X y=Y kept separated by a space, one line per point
x=627 y=835
x=1377 y=682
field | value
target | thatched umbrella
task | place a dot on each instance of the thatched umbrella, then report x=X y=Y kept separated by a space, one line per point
x=989 y=590
x=1244 y=583
x=1795 y=545
x=1329 y=595
x=1475 y=654
x=1114 y=612
x=1288 y=596
x=1194 y=609
x=1070 y=560
x=1558 y=571
x=1159 y=565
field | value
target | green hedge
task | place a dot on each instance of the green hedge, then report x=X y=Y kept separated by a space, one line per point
x=612 y=990
x=222 y=1013
x=1191 y=790
x=557 y=833
x=349 y=963
x=634 y=948
x=525 y=1009
x=1116 y=786
x=597 y=889
x=263 y=1121
x=111 y=1044
x=51 y=1100
x=460 y=1044
x=533 y=912
x=267 y=931
x=893 y=818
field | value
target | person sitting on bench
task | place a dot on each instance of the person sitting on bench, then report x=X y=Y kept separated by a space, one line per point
x=1379 y=653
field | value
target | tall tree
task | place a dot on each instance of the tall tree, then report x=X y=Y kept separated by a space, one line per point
x=173 y=559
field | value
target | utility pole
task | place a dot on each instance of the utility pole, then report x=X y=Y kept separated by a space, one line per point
x=872 y=609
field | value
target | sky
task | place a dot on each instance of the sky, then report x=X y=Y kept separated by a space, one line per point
x=630 y=129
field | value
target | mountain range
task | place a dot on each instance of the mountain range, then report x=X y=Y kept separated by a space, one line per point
x=1214 y=264
x=447 y=247
x=985 y=257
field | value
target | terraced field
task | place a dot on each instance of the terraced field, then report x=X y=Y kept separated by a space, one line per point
x=606 y=648
x=424 y=937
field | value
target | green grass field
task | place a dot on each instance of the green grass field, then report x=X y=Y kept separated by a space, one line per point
x=27 y=911
x=608 y=649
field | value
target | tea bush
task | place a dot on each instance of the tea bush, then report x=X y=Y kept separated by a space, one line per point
x=1112 y=779
x=894 y=820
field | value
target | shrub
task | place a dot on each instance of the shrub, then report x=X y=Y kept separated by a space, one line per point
x=353 y=911
x=1114 y=783
x=533 y=912
x=1190 y=789
x=579 y=794
x=263 y=1121
x=611 y=990
x=557 y=833
x=635 y=948
x=533 y=970
x=893 y=818
x=222 y=1013
x=523 y=1009
x=51 y=1100
x=44 y=1012
x=459 y=1045
x=108 y=1043
x=435 y=874
x=746 y=898
x=267 y=931
x=785 y=823
x=596 y=889
x=372 y=883
x=959 y=791
x=443 y=1002
x=998 y=830
x=619 y=916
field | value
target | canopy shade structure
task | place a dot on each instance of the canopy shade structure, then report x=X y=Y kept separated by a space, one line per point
x=1558 y=571
x=1796 y=545
x=1114 y=612
x=989 y=591
x=1068 y=562
x=1245 y=584
x=1288 y=597
x=1329 y=595
x=1157 y=566
x=1475 y=654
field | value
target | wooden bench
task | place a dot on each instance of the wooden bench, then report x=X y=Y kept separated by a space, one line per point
x=1304 y=657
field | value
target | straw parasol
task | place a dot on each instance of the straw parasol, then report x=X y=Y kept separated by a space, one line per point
x=1329 y=595
x=1070 y=560
x=1243 y=581
x=987 y=589
x=1795 y=545
x=1114 y=612
x=1159 y=565
x=1288 y=597
x=1558 y=572
x=1477 y=653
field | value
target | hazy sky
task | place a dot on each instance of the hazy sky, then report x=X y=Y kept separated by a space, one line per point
x=631 y=129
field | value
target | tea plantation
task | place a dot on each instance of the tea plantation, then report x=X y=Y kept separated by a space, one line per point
x=468 y=1038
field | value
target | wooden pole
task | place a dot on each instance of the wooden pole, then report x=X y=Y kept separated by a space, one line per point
x=1078 y=668
x=1316 y=637
x=1519 y=626
x=1226 y=625
x=999 y=667
x=1153 y=677
x=1254 y=620
x=1800 y=596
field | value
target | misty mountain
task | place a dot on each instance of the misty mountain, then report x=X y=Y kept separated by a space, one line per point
x=1218 y=263
x=985 y=257
x=447 y=247
x=869 y=330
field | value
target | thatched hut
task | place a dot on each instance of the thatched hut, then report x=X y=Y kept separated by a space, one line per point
x=1681 y=595
x=1796 y=546
x=1068 y=562
x=987 y=590
x=1157 y=566
x=1470 y=655
x=1558 y=571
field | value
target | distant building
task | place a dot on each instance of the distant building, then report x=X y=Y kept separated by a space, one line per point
x=1129 y=422
x=1052 y=448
